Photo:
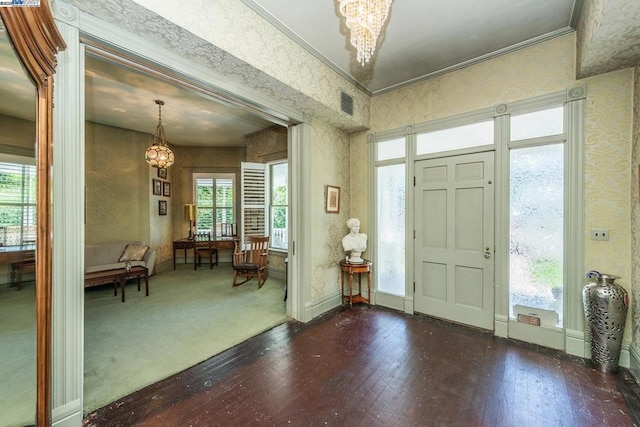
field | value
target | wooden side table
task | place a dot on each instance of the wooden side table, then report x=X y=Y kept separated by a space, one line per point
x=190 y=244
x=118 y=277
x=359 y=269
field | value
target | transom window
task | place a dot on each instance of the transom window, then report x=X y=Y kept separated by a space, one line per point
x=455 y=138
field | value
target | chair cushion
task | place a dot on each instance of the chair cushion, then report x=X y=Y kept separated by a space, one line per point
x=133 y=253
x=247 y=266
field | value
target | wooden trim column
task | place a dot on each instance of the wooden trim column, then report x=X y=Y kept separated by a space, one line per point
x=37 y=41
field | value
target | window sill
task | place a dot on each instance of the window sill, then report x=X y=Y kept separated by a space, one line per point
x=279 y=251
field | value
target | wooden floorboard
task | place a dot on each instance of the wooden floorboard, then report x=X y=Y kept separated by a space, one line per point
x=377 y=367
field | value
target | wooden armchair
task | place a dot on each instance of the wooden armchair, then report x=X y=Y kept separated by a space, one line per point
x=250 y=259
x=205 y=247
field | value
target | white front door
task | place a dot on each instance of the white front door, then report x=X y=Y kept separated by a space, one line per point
x=454 y=226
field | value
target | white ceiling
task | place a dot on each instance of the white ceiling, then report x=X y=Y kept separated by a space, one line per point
x=422 y=38
x=120 y=96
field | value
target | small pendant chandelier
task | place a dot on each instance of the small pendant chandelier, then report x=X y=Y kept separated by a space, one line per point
x=158 y=154
x=365 y=19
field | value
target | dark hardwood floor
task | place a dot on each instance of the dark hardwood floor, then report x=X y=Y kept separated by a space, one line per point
x=377 y=367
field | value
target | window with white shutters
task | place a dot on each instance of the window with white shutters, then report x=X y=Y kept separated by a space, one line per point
x=254 y=210
x=214 y=194
x=18 y=187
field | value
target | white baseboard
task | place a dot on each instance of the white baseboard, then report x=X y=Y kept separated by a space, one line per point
x=408 y=305
x=501 y=326
x=577 y=343
x=69 y=415
x=574 y=343
x=322 y=305
x=625 y=355
x=390 y=301
x=634 y=362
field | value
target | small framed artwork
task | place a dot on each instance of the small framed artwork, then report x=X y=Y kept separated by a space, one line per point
x=166 y=189
x=162 y=173
x=332 y=199
x=162 y=207
x=157 y=187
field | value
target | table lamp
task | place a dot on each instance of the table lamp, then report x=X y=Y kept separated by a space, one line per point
x=190 y=215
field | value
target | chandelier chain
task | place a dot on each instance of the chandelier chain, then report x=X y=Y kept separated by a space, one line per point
x=158 y=154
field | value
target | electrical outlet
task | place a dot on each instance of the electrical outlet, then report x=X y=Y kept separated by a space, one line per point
x=599 y=234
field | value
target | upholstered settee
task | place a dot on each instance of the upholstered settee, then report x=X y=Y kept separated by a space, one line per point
x=113 y=255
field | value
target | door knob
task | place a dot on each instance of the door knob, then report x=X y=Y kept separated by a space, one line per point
x=487 y=253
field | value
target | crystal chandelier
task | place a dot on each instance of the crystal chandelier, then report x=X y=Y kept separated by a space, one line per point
x=158 y=154
x=365 y=19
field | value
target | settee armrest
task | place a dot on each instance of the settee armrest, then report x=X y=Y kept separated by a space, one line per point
x=150 y=260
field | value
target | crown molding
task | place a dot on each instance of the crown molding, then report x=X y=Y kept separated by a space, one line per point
x=302 y=43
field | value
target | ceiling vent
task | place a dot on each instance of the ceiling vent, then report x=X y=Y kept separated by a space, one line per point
x=346 y=103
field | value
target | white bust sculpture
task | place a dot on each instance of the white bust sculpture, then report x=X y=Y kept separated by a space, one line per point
x=355 y=242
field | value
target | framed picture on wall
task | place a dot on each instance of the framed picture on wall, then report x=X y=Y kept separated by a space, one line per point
x=166 y=190
x=162 y=173
x=162 y=207
x=157 y=187
x=332 y=199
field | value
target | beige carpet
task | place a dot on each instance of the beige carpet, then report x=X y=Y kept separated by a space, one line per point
x=17 y=355
x=188 y=317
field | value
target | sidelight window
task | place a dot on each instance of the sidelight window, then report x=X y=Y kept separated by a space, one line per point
x=390 y=216
x=536 y=210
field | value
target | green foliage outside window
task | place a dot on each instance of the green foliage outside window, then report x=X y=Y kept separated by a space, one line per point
x=279 y=210
x=17 y=203
x=210 y=213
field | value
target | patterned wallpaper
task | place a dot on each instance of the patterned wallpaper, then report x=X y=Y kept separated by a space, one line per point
x=329 y=166
x=17 y=132
x=608 y=174
x=541 y=69
x=609 y=36
x=229 y=38
x=118 y=188
x=545 y=68
x=607 y=170
x=359 y=169
x=160 y=226
x=267 y=145
x=635 y=210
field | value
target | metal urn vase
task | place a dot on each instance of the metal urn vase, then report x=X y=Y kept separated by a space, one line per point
x=605 y=307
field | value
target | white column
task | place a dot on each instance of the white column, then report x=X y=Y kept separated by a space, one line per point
x=68 y=223
x=575 y=342
x=501 y=245
x=300 y=225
